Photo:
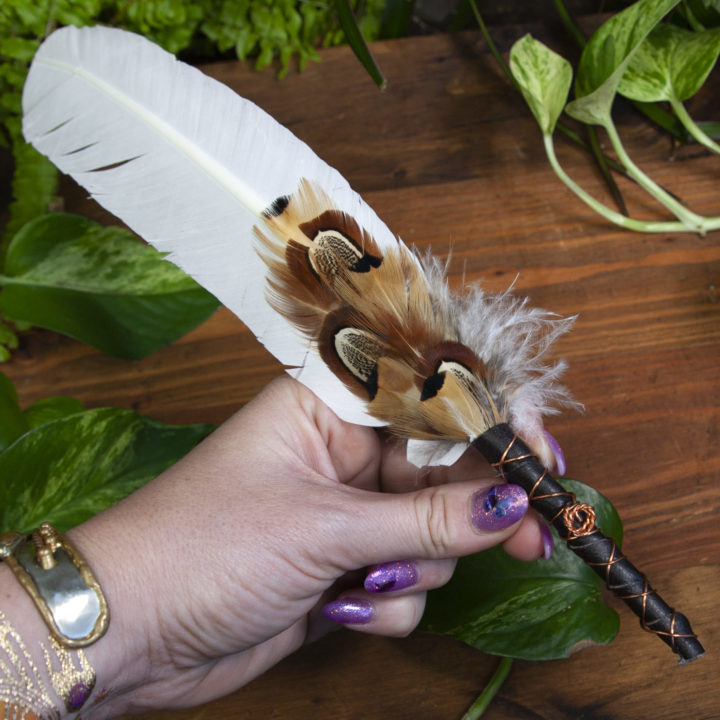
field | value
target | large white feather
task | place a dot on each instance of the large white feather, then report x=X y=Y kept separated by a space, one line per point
x=189 y=166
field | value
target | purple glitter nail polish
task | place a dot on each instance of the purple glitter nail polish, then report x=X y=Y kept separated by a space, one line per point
x=391 y=576
x=77 y=696
x=350 y=611
x=499 y=507
x=560 y=465
x=547 y=541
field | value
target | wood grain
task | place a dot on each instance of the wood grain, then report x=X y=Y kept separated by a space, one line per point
x=449 y=157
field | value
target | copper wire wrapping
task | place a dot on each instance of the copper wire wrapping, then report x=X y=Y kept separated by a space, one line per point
x=504 y=458
x=615 y=557
x=579 y=519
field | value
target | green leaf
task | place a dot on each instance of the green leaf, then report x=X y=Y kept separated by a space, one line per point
x=34 y=186
x=534 y=611
x=12 y=422
x=100 y=285
x=357 y=42
x=703 y=13
x=544 y=78
x=18 y=48
x=7 y=337
x=72 y=12
x=672 y=63
x=52 y=408
x=396 y=18
x=607 y=55
x=70 y=469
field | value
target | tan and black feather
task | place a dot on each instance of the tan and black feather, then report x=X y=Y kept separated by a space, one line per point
x=386 y=324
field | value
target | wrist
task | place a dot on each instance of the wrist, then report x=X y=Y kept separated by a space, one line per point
x=121 y=658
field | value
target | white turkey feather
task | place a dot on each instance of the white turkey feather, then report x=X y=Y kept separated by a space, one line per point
x=188 y=165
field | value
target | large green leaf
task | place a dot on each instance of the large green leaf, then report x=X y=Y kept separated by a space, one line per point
x=672 y=63
x=68 y=470
x=100 y=285
x=544 y=78
x=606 y=56
x=533 y=611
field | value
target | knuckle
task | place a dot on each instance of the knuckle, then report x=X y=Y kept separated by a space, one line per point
x=433 y=515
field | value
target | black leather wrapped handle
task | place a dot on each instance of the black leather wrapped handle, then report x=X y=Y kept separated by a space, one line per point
x=575 y=522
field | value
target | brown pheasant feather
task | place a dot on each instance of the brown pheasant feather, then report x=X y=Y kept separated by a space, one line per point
x=387 y=326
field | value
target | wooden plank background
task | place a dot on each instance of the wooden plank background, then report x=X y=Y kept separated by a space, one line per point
x=449 y=157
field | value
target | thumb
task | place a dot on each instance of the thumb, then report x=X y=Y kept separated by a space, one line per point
x=445 y=521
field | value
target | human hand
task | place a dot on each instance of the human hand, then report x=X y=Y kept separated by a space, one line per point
x=221 y=566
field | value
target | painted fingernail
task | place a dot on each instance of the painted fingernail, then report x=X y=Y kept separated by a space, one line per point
x=499 y=507
x=560 y=465
x=350 y=611
x=547 y=541
x=391 y=576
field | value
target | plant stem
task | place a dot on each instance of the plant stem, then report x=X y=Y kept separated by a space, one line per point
x=570 y=25
x=691 y=126
x=691 y=220
x=598 y=207
x=491 y=44
x=600 y=159
x=572 y=135
x=496 y=681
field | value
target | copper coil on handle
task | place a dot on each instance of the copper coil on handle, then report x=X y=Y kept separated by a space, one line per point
x=575 y=523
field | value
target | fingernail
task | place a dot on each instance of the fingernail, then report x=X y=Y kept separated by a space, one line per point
x=391 y=576
x=351 y=611
x=547 y=541
x=560 y=465
x=499 y=507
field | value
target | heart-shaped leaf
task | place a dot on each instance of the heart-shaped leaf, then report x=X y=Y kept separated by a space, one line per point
x=671 y=64
x=70 y=469
x=534 y=611
x=606 y=57
x=100 y=285
x=544 y=78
